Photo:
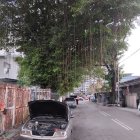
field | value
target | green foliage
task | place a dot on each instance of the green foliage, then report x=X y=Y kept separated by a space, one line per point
x=24 y=71
x=64 y=40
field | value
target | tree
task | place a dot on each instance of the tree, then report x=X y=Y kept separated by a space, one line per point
x=63 y=40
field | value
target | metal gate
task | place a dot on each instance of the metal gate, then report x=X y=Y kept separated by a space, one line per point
x=40 y=94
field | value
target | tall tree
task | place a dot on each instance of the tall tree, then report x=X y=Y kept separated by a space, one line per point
x=63 y=40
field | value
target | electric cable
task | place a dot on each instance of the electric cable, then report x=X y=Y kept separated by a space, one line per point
x=130 y=55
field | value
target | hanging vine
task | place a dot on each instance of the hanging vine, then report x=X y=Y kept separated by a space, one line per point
x=57 y=47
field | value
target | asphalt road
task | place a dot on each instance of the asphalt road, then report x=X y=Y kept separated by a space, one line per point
x=96 y=122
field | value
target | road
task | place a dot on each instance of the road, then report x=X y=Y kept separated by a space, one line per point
x=96 y=122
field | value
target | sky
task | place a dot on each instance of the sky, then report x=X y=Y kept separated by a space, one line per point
x=131 y=58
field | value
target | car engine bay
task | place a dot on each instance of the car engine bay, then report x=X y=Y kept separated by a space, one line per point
x=42 y=126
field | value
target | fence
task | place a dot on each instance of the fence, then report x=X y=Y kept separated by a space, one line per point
x=40 y=94
x=15 y=100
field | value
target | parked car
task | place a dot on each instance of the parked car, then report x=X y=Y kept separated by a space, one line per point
x=74 y=96
x=71 y=102
x=85 y=98
x=139 y=108
x=80 y=98
x=49 y=120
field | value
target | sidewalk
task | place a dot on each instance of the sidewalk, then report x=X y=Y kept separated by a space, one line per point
x=9 y=134
x=133 y=110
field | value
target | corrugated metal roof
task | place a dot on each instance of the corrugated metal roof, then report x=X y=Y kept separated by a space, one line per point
x=8 y=80
x=129 y=78
x=129 y=81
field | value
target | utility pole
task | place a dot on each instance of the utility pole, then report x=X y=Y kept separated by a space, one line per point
x=118 y=89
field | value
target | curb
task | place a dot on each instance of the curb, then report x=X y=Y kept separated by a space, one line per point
x=129 y=110
x=104 y=104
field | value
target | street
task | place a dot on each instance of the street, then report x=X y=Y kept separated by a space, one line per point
x=97 y=122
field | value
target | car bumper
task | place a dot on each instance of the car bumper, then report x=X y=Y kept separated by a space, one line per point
x=42 y=138
x=72 y=106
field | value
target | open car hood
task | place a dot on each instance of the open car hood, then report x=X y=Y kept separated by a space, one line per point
x=48 y=107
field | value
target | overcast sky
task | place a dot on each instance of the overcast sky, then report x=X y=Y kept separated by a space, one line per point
x=132 y=56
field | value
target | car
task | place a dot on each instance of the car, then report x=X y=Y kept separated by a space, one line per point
x=139 y=107
x=80 y=99
x=86 y=98
x=71 y=102
x=74 y=96
x=49 y=120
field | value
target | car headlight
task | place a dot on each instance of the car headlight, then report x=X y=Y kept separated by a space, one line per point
x=26 y=130
x=59 y=133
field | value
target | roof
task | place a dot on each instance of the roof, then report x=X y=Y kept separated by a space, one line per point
x=129 y=80
x=7 y=80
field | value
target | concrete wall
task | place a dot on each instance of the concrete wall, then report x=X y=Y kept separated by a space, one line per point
x=131 y=93
x=131 y=100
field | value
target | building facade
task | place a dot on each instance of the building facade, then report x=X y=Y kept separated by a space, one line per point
x=8 y=66
x=130 y=91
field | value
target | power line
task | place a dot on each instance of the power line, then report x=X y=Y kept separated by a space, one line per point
x=130 y=55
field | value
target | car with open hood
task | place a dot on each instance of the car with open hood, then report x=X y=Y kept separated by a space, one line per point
x=49 y=120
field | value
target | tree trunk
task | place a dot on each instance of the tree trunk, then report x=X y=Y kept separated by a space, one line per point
x=113 y=87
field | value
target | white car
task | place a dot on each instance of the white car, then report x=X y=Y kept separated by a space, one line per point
x=71 y=102
x=49 y=120
x=139 y=108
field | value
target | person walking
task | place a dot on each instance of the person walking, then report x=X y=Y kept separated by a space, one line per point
x=77 y=101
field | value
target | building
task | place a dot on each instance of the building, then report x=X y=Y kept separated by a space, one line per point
x=8 y=66
x=130 y=91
